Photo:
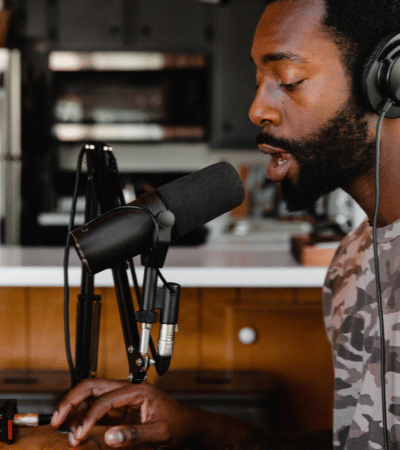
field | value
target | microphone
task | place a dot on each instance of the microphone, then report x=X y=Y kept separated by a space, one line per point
x=146 y=227
x=128 y=231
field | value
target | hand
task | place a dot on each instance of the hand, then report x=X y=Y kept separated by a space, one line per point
x=144 y=414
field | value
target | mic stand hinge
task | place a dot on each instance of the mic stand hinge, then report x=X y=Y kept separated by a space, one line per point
x=138 y=365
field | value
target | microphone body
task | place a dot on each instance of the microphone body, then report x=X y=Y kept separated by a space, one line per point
x=125 y=232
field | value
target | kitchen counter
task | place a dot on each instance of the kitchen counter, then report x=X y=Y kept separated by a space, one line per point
x=233 y=262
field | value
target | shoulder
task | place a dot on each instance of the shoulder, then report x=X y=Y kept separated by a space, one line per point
x=349 y=263
x=351 y=252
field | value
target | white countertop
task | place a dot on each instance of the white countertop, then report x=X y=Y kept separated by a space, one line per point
x=232 y=263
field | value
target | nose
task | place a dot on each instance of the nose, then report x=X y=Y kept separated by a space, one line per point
x=264 y=110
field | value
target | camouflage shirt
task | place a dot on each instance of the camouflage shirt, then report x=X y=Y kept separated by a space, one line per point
x=352 y=323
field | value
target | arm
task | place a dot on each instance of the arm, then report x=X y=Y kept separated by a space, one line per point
x=146 y=415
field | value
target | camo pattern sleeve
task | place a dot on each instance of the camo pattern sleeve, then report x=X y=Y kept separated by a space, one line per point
x=352 y=324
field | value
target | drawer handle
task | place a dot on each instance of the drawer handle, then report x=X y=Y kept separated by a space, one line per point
x=247 y=335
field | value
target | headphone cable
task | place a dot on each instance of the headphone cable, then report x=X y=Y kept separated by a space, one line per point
x=384 y=110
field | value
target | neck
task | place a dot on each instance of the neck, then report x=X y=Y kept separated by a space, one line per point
x=362 y=189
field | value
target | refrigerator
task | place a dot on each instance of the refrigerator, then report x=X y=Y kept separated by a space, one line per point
x=10 y=146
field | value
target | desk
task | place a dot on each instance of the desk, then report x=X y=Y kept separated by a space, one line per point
x=47 y=438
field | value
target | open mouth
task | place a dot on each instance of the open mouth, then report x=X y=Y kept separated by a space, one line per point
x=280 y=162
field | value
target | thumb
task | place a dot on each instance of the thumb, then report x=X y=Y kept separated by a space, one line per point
x=151 y=433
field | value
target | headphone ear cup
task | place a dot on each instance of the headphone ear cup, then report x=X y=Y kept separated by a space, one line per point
x=376 y=84
x=369 y=72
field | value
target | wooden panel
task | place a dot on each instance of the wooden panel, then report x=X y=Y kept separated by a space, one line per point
x=292 y=345
x=308 y=295
x=113 y=362
x=188 y=338
x=263 y=296
x=13 y=328
x=46 y=327
x=216 y=328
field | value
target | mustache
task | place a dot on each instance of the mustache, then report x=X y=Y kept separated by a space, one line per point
x=284 y=144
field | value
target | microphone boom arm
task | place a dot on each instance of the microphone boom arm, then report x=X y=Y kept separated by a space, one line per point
x=103 y=196
x=146 y=227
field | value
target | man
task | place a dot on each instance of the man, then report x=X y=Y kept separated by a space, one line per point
x=320 y=133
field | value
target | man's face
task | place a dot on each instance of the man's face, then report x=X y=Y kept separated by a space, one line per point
x=317 y=137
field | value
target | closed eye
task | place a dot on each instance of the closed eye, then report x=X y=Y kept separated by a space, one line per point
x=291 y=86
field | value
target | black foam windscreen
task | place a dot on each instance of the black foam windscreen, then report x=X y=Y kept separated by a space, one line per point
x=127 y=231
x=199 y=197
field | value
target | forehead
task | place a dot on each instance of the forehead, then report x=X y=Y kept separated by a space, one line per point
x=292 y=27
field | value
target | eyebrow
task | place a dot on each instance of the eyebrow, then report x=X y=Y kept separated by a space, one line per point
x=282 y=56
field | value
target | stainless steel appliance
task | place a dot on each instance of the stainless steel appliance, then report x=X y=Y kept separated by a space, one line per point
x=10 y=146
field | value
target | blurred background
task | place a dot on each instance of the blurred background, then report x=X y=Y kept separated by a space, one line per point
x=167 y=84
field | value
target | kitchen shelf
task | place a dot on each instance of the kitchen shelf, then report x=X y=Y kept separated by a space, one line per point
x=64 y=61
x=128 y=132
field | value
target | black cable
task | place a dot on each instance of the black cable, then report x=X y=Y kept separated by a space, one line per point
x=65 y=267
x=385 y=108
x=135 y=282
x=165 y=282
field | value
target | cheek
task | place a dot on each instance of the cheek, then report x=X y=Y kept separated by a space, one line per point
x=328 y=97
x=318 y=103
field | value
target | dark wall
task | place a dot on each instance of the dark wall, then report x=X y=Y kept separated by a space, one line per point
x=223 y=31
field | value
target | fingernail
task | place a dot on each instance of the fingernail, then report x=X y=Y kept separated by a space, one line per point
x=72 y=440
x=78 y=432
x=115 y=437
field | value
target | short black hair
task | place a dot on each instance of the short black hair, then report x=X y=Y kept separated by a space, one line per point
x=357 y=27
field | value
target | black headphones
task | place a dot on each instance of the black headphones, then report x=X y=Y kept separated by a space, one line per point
x=381 y=76
x=381 y=86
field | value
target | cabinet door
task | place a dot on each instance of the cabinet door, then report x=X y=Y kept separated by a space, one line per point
x=90 y=24
x=13 y=328
x=45 y=328
x=285 y=337
x=170 y=25
x=291 y=344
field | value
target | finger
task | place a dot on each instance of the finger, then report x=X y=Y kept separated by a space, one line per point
x=126 y=395
x=74 y=419
x=155 y=433
x=72 y=441
x=121 y=436
x=85 y=389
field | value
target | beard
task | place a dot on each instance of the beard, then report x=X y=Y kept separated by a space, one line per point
x=328 y=159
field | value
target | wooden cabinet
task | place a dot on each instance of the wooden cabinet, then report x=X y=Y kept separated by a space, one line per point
x=290 y=342
x=287 y=324
x=13 y=328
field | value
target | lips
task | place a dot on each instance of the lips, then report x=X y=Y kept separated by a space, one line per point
x=280 y=162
